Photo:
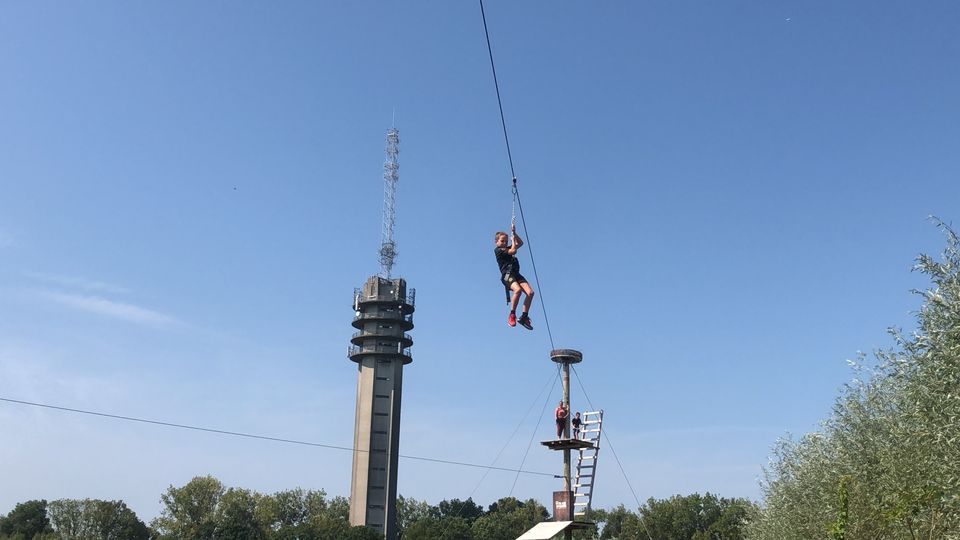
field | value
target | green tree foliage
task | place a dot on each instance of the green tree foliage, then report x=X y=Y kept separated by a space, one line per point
x=355 y=533
x=190 y=512
x=690 y=517
x=468 y=510
x=410 y=511
x=619 y=524
x=339 y=508
x=838 y=531
x=892 y=441
x=236 y=516
x=695 y=517
x=292 y=508
x=204 y=509
x=449 y=520
x=456 y=519
x=27 y=520
x=433 y=528
x=296 y=514
x=508 y=518
x=74 y=519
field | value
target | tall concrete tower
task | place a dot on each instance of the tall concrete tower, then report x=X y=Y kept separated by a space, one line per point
x=381 y=347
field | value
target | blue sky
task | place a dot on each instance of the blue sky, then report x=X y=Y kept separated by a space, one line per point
x=724 y=202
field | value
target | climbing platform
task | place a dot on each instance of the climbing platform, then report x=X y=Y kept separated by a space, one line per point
x=567 y=444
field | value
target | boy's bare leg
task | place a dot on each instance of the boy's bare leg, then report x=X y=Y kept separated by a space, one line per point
x=528 y=301
x=515 y=287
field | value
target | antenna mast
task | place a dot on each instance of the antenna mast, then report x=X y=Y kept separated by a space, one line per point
x=388 y=248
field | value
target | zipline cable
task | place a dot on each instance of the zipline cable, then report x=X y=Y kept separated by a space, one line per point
x=617 y=458
x=533 y=435
x=496 y=84
x=552 y=380
x=265 y=437
x=518 y=203
x=536 y=276
x=463 y=504
x=516 y=192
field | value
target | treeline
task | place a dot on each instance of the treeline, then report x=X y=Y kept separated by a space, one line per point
x=204 y=509
x=692 y=517
x=886 y=464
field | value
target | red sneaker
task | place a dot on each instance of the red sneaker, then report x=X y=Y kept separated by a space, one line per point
x=512 y=319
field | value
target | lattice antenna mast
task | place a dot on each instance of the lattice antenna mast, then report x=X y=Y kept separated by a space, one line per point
x=391 y=168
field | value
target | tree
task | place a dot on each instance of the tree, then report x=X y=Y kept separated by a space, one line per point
x=189 y=512
x=67 y=518
x=410 y=511
x=205 y=509
x=508 y=518
x=27 y=519
x=445 y=528
x=620 y=524
x=695 y=517
x=467 y=509
x=236 y=516
x=291 y=508
x=359 y=533
x=74 y=519
x=890 y=446
x=339 y=508
x=289 y=514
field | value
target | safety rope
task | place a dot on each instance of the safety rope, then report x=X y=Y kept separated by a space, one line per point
x=534 y=434
x=499 y=102
x=463 y=504
x=517 y=204
x=513 y=206
x=606 y=437
x=536 y=275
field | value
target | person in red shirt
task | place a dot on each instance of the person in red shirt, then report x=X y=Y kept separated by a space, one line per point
x=561 y=413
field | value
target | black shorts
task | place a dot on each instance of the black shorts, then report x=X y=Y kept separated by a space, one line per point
x=509 y=279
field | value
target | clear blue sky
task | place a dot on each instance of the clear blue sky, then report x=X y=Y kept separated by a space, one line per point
x=724 y=202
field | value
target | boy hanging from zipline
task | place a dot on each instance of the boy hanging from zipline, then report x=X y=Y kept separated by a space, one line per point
x=510 y=275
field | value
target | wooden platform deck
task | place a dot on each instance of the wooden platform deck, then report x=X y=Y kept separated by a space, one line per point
x=567 y=444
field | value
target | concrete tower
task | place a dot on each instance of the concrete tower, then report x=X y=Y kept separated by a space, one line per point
x=381 y=347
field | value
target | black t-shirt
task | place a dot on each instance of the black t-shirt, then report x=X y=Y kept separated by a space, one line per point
x=575 y=422
x=508 y=263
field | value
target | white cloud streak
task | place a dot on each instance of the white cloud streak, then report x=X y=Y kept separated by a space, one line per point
x=34 y=373
x=110 y=308
x=77 y=283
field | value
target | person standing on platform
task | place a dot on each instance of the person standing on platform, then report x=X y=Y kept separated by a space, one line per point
x=576 y=425
x=561 y=413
